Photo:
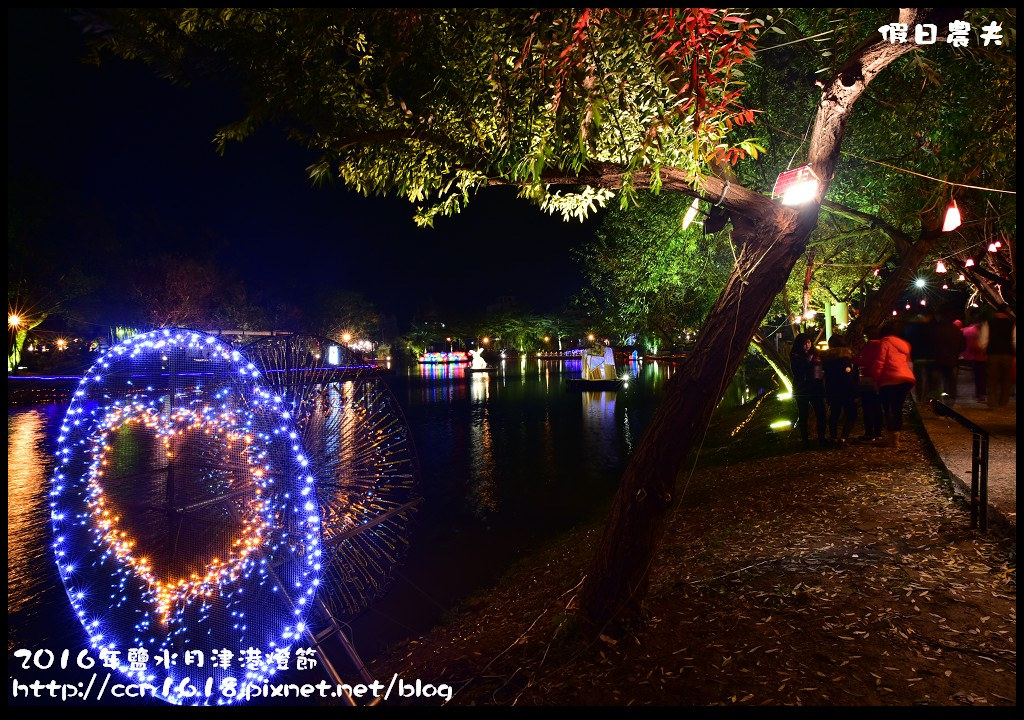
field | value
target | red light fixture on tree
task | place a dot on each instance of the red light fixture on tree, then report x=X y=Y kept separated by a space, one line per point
x=969 y=262
x=992 y=247
x=940 y=267
x=796 y=186
x=952 y=221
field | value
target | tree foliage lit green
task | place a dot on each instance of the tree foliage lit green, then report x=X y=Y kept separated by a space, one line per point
x=433 y=104
x=948 y=114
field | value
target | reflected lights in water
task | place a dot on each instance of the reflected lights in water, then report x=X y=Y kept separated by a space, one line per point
x=484 y=499
x=27 y=468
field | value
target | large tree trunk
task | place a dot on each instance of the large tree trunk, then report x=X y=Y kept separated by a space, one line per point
x=771 y=238
x=618 y=579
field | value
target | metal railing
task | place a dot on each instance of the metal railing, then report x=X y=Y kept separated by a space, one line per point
x=979 y=463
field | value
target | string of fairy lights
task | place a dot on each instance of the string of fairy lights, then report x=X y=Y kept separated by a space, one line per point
x=170 y=593
x=177 y=387
x=367 y=472
x=205 y=501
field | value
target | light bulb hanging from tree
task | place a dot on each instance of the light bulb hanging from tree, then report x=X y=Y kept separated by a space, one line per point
x=952 y=220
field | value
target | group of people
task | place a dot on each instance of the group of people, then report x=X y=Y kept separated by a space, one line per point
x=879 y=376
x=885 y=370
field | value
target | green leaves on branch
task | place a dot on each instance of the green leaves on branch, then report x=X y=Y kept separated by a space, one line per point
x=431 y=103
x=576 y=205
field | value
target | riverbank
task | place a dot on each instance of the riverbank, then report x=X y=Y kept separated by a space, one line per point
x=785 y=577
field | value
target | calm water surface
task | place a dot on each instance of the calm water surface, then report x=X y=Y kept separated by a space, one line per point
x=509 y=460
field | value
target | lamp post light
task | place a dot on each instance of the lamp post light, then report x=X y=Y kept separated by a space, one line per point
x=449 y=343
x=15 y=324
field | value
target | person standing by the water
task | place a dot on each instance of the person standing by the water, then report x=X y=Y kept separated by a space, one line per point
x=808 y=386
x=892 y=371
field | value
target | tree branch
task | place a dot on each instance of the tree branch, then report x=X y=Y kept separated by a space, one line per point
x=717 y=191
x=901 y=239
x=849 y=84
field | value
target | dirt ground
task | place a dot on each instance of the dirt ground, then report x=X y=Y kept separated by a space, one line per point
x=786 y=577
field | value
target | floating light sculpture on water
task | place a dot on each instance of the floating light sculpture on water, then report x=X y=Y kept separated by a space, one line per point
x=367 y=486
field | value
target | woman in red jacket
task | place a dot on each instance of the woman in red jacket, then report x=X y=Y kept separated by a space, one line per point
x=868 y=388
x=894 y=376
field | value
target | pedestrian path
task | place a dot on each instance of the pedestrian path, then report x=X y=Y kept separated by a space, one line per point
x=953 y=443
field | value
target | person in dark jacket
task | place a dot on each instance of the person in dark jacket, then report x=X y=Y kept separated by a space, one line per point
x=808 y=386
x=920 y=333
x=949 y=343
x=841 y=388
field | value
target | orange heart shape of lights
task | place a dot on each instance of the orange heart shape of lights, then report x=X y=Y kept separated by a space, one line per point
x=169 y=593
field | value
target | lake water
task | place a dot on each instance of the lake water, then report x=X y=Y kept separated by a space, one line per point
x=508 y=460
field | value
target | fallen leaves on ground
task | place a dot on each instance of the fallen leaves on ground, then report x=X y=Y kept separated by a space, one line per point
x=785 y=577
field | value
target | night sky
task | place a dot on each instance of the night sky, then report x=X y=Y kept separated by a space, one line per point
x=124 y=165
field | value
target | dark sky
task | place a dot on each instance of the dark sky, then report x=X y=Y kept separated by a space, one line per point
x=125 y=159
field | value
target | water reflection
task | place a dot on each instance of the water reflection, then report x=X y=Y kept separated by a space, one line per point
x=516 y=446
x=484 y=495
x=601 y=431
x=37 y=608
x=479 y=388
x=26 y=474
x=634 y=368
x=508 y=459
x=443 y=382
